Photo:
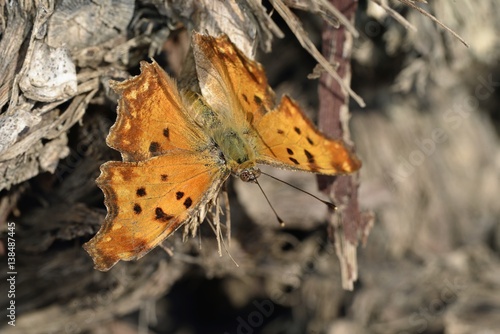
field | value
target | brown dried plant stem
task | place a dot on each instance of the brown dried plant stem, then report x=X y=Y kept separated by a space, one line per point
x=332 y=118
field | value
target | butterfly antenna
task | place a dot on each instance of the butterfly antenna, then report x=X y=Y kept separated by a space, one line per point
x=280 y=221
x=330 y=205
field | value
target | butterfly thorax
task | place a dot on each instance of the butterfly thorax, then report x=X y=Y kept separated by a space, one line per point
x=239 y=155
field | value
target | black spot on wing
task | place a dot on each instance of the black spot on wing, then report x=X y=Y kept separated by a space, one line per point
x=289 y=150
x=294 y=160
x=141 y=192
x=310 y=141
x=296 y=129
x=166 y=133
x=179 y=195
x=280 y=131
x=244 y=97
x=154 y=147
x=164 y=177
x=137 y=209
x=257 y=99
x=310 y=157
x=162 y=216
x=188 y=202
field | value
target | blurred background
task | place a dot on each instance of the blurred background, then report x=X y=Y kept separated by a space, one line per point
x=428 y=138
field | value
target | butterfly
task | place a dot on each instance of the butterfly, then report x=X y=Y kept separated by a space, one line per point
x=179 y=147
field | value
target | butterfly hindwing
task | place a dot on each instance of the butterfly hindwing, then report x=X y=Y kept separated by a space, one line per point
x=287 y=139
x=149 y=200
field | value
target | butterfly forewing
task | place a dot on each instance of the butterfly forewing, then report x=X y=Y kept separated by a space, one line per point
x=152 y=117
x=233 y=85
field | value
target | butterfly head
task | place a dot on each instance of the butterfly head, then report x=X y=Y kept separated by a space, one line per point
x=249 y=174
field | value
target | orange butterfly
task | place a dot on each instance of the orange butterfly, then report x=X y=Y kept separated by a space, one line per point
x=178 y=148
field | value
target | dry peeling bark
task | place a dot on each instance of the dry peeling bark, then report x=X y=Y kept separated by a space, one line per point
x=431 y=262
x=34 y=125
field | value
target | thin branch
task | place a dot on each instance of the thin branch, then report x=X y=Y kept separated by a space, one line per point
x=341 y=17
x=296 y=27
x=410 y=3
x=398 y=17
x=325 y=9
